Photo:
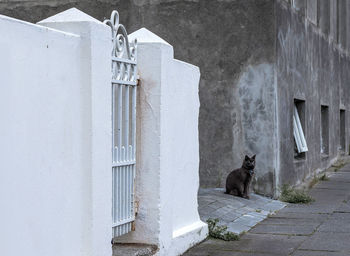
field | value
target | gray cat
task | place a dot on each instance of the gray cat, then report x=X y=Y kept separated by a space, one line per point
x=238 y=181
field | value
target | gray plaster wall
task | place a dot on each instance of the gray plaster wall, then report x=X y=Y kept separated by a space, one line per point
x=233 y=43
x=312 y=65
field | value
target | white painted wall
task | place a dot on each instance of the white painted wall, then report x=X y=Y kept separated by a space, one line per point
x=55 y=154
x=55 y=175
x=168 y=157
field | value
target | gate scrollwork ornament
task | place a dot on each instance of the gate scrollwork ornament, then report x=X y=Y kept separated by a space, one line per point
x=121 y=46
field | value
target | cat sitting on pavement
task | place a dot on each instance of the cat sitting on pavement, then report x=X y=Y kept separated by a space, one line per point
x=238 y=181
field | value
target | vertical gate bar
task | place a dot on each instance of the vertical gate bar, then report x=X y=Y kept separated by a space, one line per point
x=113 y=155
x=120 y=118
x=119 y=192
x=113 y=195
x=113 y=121
x=127 y=192
x=133 y=122
x=126 y=120
x=122 y=194
x=123 y=186
x=133 y=189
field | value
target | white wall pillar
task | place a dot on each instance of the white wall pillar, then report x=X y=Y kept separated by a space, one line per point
x=167 y=177
x=96 y=76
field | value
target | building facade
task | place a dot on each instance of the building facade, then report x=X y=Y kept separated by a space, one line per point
x=262 y=62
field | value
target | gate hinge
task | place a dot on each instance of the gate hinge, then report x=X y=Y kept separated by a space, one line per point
x=138 y=83
x=136 y=207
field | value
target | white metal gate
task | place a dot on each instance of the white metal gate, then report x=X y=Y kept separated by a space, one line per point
x=124 y=81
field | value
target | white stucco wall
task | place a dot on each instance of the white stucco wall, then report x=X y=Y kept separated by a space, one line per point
x=55 y=138
x=168 y=156
x=55 y=110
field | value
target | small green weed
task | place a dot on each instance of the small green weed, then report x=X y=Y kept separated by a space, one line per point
x=290 y=195
x=220 y=232
x=324 y=177
x=316 y=179
x=258 y=210
x=313 y=182
x=339 y=164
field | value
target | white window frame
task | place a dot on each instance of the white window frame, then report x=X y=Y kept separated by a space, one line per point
x=298 y=132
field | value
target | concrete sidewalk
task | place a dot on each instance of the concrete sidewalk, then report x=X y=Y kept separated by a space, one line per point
x=321 y=228
x=238 y=214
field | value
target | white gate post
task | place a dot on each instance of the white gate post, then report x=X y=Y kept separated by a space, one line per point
x=96 y=75
x=167 y=174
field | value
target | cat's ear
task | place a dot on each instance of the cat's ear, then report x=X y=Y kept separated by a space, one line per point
x=246 y=158
x=253 y=157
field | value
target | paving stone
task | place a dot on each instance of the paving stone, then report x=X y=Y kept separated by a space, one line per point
x=227 y=253
x=237 y=227
x=319 y=253
x=318 y=208
x=333 y=185
x=339 y=177
x=284 y=229
x=341 y=216
x=343 y=208
x=206 y=210
x=236 y=204
x=229 y=217
x=258 y=215
x=204 y=202
x=221 y=211
x=327 y=241
x=293 y=221
x=242 y=211
x=284 y=213
x=335 y=225
x=247 y=220
x=268 y=244
x=217 y=204
x=274 y=206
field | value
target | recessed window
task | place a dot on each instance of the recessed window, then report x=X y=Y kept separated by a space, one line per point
x=324 y=130
x=342 y=130
x=300 y=145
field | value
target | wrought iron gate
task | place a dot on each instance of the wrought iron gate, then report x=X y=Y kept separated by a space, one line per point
x=124 y=81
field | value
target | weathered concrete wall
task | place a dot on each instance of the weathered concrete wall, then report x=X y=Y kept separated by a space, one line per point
x=311 y=66
x=233 y=43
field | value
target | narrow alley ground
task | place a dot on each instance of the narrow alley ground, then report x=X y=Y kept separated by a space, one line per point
x=321 y=228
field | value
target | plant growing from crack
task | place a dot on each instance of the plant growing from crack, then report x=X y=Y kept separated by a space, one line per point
x=316 y=179
x=324 y=177
x=294 y=196
x=220 y=232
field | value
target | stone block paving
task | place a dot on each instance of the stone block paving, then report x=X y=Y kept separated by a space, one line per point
x=238 y=214
x=321 y=228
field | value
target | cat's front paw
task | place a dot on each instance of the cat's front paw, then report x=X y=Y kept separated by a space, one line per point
x=246 y=197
